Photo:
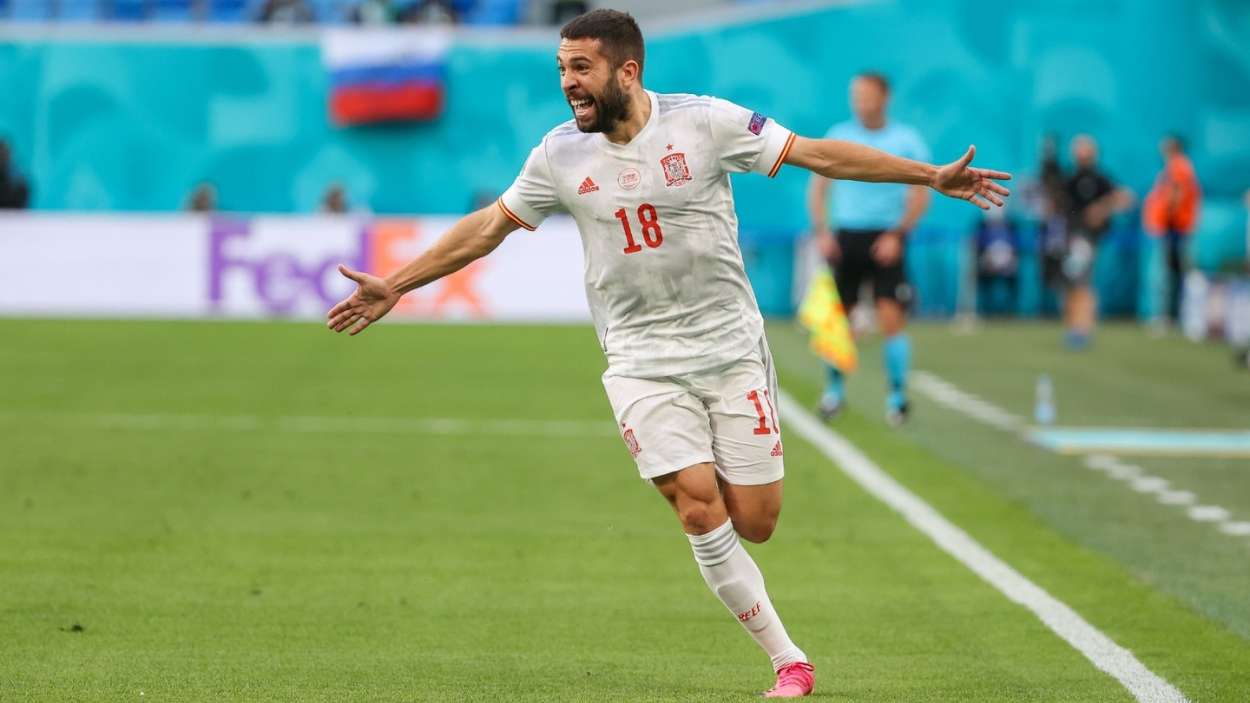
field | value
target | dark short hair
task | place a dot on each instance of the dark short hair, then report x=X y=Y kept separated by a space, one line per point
x=619 y=37
x=876 y=78
x=1178 y=139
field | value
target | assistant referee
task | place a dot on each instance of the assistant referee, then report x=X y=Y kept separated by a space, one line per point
x=872 y=221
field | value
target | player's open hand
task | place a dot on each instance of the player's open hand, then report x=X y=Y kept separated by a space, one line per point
x=976 y=185
x=373 y=299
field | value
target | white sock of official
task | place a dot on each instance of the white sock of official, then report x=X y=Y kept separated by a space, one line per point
x=732 y=575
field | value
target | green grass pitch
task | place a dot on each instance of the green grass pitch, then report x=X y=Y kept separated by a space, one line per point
x=268 y=512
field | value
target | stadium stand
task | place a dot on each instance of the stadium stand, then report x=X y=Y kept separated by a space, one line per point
x=471 y=12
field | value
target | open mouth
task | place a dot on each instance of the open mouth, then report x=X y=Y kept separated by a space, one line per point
x=581 y=106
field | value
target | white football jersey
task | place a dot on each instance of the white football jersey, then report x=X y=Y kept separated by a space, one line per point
x=664 y=275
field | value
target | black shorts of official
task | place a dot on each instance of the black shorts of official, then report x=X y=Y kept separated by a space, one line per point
x=1071 y=264
x=856 y=264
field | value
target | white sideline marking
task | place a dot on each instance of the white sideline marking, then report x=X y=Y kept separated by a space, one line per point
x=1208 y=513
x=1127 y=472
x=1236 y=528
x=1145 y=685
x=1101 y=462
x=946 y=393
x=1178 y=498
x=1149 y=484
x=317 y=424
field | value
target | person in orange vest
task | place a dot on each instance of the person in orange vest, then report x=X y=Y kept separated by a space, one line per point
x=1171 y=212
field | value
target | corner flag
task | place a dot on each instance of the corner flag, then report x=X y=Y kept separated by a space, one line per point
x=825 y=318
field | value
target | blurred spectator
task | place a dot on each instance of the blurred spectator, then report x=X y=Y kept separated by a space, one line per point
x=1171 y=212
x=334 y=202
x=1092 y=198
x=1053 y=182
x=1050 y=207
x=1245 y=198
x=1242 y=355
x=564 y=10
x=14 y=192
x=997 y=243
x=203 y=198
x=373 y=12
x=428 y=12
x=286 y=12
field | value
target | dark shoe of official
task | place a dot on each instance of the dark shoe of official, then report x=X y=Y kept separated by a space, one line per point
x=896 y=415
x=830 y=407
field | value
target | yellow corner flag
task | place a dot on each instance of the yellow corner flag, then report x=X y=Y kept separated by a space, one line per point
x=825 y=318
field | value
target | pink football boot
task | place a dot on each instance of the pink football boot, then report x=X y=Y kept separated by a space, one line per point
x=793 y=681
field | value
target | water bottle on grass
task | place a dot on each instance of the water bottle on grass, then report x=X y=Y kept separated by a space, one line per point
x=1044 y=407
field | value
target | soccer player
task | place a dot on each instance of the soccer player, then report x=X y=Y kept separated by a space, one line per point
x=690 y=379
x=873 y=221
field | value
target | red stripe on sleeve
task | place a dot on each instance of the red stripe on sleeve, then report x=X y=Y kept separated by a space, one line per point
x=513 y=216
x=781 y=158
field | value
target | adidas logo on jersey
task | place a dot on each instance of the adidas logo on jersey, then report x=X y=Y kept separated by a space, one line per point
x=777 y=449
x=588 y=186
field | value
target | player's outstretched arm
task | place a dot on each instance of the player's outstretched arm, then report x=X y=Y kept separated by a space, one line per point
x=473 y=237
x=837 y=159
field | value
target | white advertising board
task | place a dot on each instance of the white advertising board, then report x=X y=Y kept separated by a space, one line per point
x=271 y=266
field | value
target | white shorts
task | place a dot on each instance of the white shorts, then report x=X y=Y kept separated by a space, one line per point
x=726 y=416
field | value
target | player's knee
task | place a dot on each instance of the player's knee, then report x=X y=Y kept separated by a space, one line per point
x=698 y=517
x=757 y=531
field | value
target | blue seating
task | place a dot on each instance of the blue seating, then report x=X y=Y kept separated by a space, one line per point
x=228 y=11
x=473 y=12
x=29 y=10
x=127 y=10
x=330 y=11
x=78 y=10
x=171 y=10
x=490 y=12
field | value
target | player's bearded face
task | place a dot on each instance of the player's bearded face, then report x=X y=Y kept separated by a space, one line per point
x=600 y=111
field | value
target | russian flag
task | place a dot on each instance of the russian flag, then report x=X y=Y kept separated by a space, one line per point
x=385 y=75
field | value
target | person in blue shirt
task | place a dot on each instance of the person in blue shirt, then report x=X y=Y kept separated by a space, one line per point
x=872 y=221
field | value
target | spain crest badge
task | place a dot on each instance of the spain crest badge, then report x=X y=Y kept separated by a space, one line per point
x=675 y=170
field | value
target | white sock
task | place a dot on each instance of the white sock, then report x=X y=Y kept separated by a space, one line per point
x=732 y=575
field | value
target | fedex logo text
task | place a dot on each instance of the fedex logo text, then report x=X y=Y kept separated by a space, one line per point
x=252 y=270
x=287 y=267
